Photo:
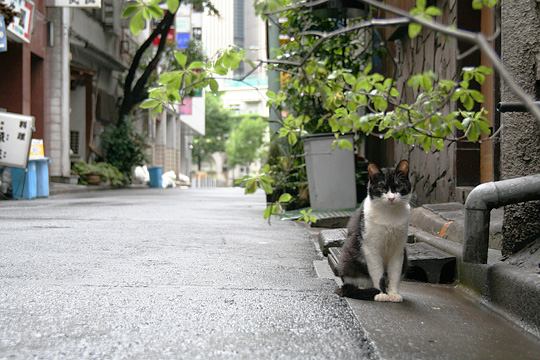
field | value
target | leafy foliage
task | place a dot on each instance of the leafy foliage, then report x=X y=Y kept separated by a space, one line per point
x=307 y=217
x=173 y=86
x=263 y=180
x=245 y=141
x=141 y=11
x=219 y=122
x=479 y=4
x=336 y=85
x=123 y=147
x=105 y=171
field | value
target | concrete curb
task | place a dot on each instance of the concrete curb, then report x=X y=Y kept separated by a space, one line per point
x=511 y=292
x=60 y=188
x=447 y=221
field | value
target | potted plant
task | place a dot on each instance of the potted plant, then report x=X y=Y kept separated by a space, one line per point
x=309 y=96
x=97 y=173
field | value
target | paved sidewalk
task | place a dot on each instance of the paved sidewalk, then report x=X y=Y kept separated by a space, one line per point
x=179 y=274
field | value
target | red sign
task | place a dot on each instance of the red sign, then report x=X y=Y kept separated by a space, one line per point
x=170 y=38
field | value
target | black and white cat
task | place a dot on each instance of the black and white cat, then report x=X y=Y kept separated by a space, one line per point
x=373 y=257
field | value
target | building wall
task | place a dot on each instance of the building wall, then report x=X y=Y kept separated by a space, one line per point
x=433 y=174
x=22 y=87
x=520 y=143
x=218 y=31
x=86 y=55
x=57 y=105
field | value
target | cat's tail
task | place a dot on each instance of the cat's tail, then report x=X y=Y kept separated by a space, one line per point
x=352 y=291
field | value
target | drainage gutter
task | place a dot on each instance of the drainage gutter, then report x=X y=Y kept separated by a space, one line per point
x=479 y=204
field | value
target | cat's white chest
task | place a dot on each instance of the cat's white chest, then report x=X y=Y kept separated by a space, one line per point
x=385 y=227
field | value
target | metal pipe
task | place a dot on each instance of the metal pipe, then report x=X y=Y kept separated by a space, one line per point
x=479 y=204
x=504 y=107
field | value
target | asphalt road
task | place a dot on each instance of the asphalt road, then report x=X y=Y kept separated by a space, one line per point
x=180 y=274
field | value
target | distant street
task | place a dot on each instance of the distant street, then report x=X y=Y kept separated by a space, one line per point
x=164 y=274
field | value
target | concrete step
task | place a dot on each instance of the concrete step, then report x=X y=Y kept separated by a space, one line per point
x=331 y=238
x=331 y=219
x=426 y=263
x=336 y=237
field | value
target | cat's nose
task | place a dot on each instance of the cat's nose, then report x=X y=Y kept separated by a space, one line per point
x=391 y=198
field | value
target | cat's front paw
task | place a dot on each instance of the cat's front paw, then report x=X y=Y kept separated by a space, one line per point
x=395 y=297
x=382 y=297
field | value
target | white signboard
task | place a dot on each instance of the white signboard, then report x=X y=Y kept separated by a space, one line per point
x=74 y=3
x=21 y=26
x=15 y=138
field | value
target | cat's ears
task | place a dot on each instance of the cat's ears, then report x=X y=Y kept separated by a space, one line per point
x=403 y=167
x=373 y=170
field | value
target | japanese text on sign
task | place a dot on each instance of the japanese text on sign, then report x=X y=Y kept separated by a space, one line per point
x=15 y=137
x=75 y=3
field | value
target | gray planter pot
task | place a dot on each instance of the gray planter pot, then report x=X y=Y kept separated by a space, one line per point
x=330 y=172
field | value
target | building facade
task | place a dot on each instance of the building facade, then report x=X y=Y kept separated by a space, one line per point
x=68 y=73
x=89 y=52
x=449 y=175
x=24 y=66
x=237 y=25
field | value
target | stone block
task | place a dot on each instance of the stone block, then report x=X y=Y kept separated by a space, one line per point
x=426 y=263
x=331 y=238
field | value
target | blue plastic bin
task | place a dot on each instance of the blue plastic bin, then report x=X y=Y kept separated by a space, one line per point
x=24 y=182
x=42 y=172
x=155 y=176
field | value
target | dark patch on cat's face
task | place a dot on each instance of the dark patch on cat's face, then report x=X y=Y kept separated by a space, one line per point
x=390 y=185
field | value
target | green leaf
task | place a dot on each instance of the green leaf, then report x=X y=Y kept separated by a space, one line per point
x=421 y=4
x=380 y=103
x=345 y=144
x=414 y=30
x=477 y=4
x=149 y=104
x=173 y=5
x=268 y=211
x=285 y=198
x=155 y=11
x=292 y=138
x=468 y=103
x=214 y=86
x=480 y=78
x=427 y=83
x=136 y=24
x=181 y=58
x=477 y=96
x=196 y=65
x=130 y=9
x=147 y=15
x=220 y=70
x=433 y=11
x=349 y=79
x=266 y=186
x=484 y=70
x=251 y=186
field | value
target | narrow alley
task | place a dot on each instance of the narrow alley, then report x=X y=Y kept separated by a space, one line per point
x=164 y=274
